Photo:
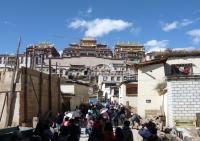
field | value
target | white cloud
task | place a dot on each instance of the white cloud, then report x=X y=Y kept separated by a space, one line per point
x=85 y=13
x=135 y=30
x=8 y=23
x=176 y=24
x=185 y=22
x=99 y=27
x=89 y=11
x=154 y=45
x=195 y=35
x=170 y=26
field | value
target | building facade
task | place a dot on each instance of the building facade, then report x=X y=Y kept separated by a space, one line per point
x=110 y=76
x=183 y=83
x=9 y=61
x=181 y=73
x=74 y=93
x=39 y=52
x=87 y=47
x=128 y=93
x=129 y=51
x=150 y=74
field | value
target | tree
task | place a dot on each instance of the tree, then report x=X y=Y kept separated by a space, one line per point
x=161 y=89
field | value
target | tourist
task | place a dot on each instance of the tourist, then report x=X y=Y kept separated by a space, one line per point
x=74 y=130
x=66 y=121
x=47 y=133
x=149 y=132
x=58 y=120
x=115 y=118
x=126 y=130
x=97 y=130
x=119 y=134
x=108 y=134
x=135 y=120
x=89 y=124
x=122 y=114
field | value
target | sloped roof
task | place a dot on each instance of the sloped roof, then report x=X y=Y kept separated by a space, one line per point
x=180 y=53
x=126 y=82
x=151 y=62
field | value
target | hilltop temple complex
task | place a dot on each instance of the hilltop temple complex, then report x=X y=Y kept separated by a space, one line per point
x=129 y=51
x=88 y=47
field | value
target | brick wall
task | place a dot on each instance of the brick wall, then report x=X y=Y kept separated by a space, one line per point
x=183 y=99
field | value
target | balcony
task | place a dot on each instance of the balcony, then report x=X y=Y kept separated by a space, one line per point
x=181 y=71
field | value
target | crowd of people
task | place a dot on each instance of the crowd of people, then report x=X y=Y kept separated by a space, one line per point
x=109 y=122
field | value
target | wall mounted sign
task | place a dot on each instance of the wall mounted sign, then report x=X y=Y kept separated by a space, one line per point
x=148 y=101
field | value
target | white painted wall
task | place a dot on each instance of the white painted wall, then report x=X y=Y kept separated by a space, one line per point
x=106 y=90
x=80 y=92
x=23 y=64
x=123 y=98
x=87 y=61
x=67 y=88
x=148 y=78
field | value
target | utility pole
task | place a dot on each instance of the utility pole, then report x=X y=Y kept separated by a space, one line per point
x=25 y=87
x=12 y=94
x=49 y=85
x=40 y=86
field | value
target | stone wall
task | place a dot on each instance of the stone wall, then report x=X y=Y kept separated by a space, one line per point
x=183 y=99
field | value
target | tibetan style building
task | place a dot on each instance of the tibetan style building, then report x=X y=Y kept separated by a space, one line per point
x=39 y=52
x=129 y=51
x=46 y=49
x=87 y=47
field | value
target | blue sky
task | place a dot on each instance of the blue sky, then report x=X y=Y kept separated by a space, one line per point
x=157 y=24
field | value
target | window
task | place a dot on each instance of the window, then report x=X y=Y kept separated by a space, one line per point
x=131 y=89
x=118 y=78
x=85 y=72
x=181 y=69
x=104 y=78
x=38 y=60
x=116 y=92
x=112 y=78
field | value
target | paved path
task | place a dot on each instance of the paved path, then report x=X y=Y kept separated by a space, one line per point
x=137 y=137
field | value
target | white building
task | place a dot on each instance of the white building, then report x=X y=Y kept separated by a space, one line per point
x=181 y=72
x=74 y=93
x=128 y=93
x=8 y=61
x=150 y=74
x=111 y=76
x=183 y=85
